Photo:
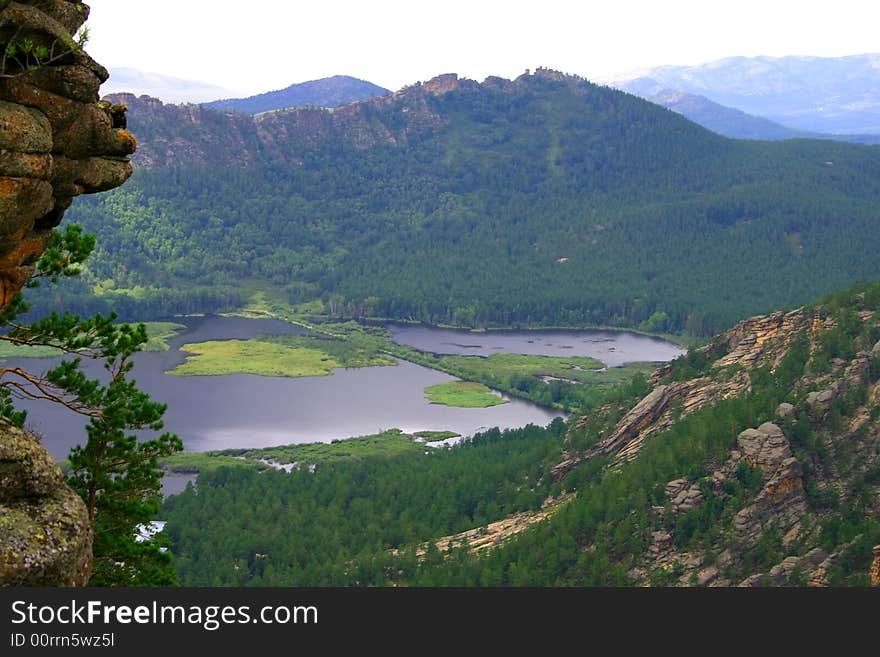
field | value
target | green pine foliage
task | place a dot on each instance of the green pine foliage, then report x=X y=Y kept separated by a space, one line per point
x=362 y=522
x=115 y=473
x=338 y=525
x=548 y=203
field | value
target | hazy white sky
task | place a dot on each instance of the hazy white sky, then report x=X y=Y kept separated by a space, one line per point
x=250 y=46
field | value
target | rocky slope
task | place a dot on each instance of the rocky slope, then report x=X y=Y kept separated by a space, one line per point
x=754 y=460
x=57 y=141
x=813 y=468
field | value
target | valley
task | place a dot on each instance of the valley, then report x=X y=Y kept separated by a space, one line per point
x=345 y=380
x=540 y=201
x=526 y=332
x=751 y=461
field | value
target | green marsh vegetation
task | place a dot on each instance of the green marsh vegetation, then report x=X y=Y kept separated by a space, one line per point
x=463 y=394
x=392 y=442
x=292 y=355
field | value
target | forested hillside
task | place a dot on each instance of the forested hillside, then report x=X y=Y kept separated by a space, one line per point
x=754 y=460
x=545 y=200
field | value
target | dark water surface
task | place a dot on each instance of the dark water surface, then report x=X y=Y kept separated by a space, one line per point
x=242 y=410
x=614 y=348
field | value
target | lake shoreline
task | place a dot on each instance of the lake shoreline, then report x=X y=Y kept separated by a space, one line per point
x=250 y=411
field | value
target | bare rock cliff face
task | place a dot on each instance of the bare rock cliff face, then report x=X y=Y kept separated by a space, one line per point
x=57 y=141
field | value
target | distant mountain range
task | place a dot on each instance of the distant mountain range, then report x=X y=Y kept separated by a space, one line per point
x=327 y=92
x=544 y=200
x=164 y=87
x=735 y=123
x=815 y=94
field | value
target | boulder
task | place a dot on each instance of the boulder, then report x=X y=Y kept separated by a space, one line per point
x=47 y=536
x=707 y=576
x=785 y=410
x=765 y=447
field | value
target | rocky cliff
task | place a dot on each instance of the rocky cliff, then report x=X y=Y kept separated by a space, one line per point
x=812 y=471
x=57 y=141
x=172 y=135
x=754 y=460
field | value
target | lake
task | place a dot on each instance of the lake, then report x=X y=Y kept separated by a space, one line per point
x=614 y=348
x=241 y=410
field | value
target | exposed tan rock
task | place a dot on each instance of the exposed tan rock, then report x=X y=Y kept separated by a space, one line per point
x=661 y=542
x=641 y=416
x=707 y=576
x=810 y=568
x=46 y=535
x=750 y=341
x=765 y=447
x=875 y=567
x=781 y=502
x=442 y=84
x=495 y=533
x=56 y=141
x=683 y=495
x=784 y=411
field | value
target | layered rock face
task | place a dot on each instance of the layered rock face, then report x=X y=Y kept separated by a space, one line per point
x=56 y=141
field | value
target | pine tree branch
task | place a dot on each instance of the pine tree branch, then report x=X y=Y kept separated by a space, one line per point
x=36 y=387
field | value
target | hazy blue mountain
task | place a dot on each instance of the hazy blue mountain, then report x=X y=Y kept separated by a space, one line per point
x=166 y=88
x=816 y=94
x=327 y=92
x=737 y=124
x=725 y=121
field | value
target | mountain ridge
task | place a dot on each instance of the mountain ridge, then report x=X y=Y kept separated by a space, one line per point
x=325 y=92
x=543 y=200
x=829 y=95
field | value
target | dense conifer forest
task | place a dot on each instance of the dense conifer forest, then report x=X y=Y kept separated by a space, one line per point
x=536 y=202
x=375 y=521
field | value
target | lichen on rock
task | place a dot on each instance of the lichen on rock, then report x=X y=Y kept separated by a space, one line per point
x=57 y=141
x=45 y=530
